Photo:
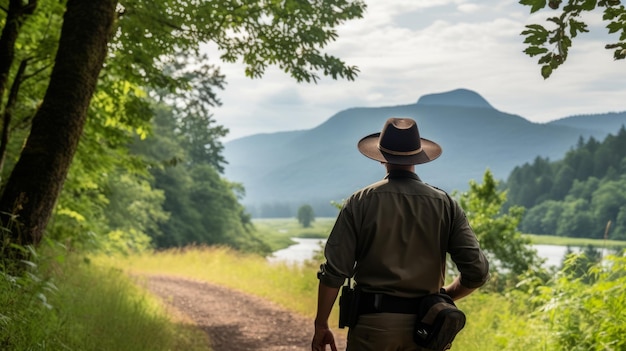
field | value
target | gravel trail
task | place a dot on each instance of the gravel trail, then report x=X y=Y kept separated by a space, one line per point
x=235 y=321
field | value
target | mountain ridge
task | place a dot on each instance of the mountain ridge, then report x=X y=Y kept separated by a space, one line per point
x=457 y=97
x=322 y=164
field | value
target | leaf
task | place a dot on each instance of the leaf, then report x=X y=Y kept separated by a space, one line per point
x=546 y=71
x=619 y=54
x=545 y=59
x=614 y=27
x=577 y=27
x=558 y=21
x=535 y=35
x=588 y=5
x=535 y=50
x=29 y=263
x=70 y=213
x=535 y=5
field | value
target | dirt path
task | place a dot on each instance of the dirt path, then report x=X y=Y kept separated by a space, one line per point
x=235 y=321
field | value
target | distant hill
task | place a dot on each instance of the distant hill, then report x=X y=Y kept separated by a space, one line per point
x=606 y=122
x=319 y=165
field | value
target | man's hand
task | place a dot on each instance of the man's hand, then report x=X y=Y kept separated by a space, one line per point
x=456 y=291
x=323 y=336
x=326 y=297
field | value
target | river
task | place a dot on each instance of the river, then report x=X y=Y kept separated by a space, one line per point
x=304 y=249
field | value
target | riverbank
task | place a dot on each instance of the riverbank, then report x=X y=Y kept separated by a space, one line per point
x=281 y=231
x=537 y=239
x=295 y=244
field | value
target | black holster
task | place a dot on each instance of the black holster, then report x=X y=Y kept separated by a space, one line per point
x=349 y=306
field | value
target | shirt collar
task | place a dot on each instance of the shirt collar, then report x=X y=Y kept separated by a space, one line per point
x=395 y=174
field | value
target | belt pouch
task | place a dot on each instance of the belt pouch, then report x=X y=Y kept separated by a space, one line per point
x=438 y=322
x=348 y=306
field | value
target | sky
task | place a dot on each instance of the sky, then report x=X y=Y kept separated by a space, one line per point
x=405 y=49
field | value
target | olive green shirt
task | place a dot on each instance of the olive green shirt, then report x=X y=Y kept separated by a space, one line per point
x=389 y=236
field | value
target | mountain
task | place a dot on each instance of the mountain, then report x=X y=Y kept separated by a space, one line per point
x=607 y=122
x=282 y=171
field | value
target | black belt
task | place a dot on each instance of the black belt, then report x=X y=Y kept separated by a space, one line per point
x=377 y=303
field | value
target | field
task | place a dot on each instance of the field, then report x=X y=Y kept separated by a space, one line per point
x=82 y=302
x=278 y=232
x=578 y=242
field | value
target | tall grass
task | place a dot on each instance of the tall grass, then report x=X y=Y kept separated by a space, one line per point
x=513 y=321
x=292 y=286
x=75 y=305
x=494 y=321
x=82 y=304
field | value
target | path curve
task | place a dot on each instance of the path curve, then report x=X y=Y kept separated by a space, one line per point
x=235 y=321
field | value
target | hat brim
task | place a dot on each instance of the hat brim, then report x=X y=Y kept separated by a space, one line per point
x=368 y=146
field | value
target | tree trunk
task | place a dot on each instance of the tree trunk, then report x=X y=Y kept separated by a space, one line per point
x=16 y=15
x=7 y=116
x=36 y=181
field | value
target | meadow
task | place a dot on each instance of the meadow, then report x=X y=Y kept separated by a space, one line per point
x=66 y=302
x=278 y=232
x=78 y=302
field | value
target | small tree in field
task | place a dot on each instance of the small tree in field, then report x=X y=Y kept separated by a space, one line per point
x=306 y=215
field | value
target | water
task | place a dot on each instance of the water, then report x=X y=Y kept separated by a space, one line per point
x=302 y=250
x=553 y=254
x=305 y=249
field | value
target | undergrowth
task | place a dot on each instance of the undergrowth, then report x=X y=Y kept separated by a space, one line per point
x=71 y=304
x=540 y=315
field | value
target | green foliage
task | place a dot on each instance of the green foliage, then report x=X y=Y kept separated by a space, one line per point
x=260 y=33
x=509 y=252
x=552 y=44
x=109 y=199
x=586 y=193
x=559 y=314
x=585 y=313
x=203 y=208
x=26 y=308
x=291 y=286
x=576 y=266
x=306 y=215
x=73 y=305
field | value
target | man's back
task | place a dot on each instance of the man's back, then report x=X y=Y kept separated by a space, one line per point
x=392 y=237
x=399 y=224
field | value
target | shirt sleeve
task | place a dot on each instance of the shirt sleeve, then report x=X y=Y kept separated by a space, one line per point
x=465 y=251
x=339 y=250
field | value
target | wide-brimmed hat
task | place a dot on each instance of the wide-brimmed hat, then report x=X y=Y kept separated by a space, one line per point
x=399 y=143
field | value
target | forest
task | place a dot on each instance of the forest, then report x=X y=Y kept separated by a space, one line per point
x=581 y=195
x=108 y=139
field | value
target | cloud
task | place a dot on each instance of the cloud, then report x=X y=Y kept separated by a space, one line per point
x=406 y=49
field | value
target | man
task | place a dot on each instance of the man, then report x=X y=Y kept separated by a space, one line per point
x=392 y=238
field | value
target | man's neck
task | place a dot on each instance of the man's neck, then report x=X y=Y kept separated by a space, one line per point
x=391 y=167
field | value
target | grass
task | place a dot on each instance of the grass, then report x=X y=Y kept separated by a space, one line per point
x=579 y=242
x=285 y=284
x=277 y=232
x=492 y=322
x=81 y=304
x=75 y=305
